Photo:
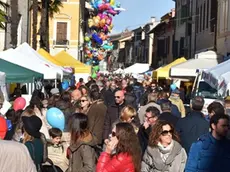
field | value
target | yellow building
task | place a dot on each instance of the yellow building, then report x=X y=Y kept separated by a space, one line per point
x=65 y=28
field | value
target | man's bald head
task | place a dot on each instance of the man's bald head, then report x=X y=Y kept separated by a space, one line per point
x=119 y=97
x=76 y=95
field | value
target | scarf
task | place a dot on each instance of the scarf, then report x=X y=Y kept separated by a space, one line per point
x=165 y=151
x=156 y=152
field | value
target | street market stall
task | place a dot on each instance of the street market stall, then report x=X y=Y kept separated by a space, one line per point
x=163 y=72
x=30 y=52
x=18 y=58
x=137 y=68
x=190 y=67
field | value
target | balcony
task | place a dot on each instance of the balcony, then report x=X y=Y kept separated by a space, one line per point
x=61 y=44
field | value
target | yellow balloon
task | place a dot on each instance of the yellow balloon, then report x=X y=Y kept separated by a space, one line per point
x=112 y=2
x=90 y=22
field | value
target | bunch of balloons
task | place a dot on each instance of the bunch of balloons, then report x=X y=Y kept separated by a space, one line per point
x=97 y=41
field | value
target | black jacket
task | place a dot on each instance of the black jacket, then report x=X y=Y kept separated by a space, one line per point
x=130 y=99
x=143 y=136
x=169 y=117
x=191 y=128
x=113 y=113
x=108 y=97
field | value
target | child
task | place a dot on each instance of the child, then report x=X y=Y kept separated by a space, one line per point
x=57 y=149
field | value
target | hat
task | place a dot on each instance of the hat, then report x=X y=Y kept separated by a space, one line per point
x=3 y=127
x=54 y=91
x=32 y=125
x=176 y=91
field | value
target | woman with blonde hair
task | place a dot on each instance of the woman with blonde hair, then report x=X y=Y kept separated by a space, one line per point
x=85 y=103
x=164 y=152
x=127 y=115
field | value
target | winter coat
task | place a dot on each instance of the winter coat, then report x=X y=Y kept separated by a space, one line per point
x=57 y=153
x=143 y=109
x=108 y=97
x=143 y=136
x=15 y=157
x=178 y=102
x=112 y=114
x=96 y=117
x=83 y=156
x=169 y=117
x=118 y=163
x=191 y=128
x=36 y=151
x=209 y=155
x=138 y=92
x=175 y=162
x=130 y=99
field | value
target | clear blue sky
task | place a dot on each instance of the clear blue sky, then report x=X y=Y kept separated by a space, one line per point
x=139 y=12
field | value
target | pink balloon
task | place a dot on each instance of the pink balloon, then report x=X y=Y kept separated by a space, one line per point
x=19 y=103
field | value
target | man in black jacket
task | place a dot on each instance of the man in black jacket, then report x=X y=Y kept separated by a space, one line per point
x=193 y=125
x=113 y=113
x=151 y=117
x=166 y=107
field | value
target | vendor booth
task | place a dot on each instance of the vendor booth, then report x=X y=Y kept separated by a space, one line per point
x=80 y=69
x=17 y=74
x=190 y=67
x=18 y=58
x=137 y=68
x=48 y=56
x=163 y=72
x=30 y=52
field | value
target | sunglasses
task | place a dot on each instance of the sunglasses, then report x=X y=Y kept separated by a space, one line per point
x=165 y=132
x=117 y=97
x=113 y=134
x=83 y=101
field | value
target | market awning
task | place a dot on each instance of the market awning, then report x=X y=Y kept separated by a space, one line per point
x=67 y=60
x=163 y=72
x=190 y=67
x=17 y=74
x=48 y=56
x=137 y=68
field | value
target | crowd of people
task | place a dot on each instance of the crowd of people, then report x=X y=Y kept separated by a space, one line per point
x=116 y=124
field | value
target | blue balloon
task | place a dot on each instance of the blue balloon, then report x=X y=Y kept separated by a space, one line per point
x=97 y=39
x=56 y=118
x=9 y=125
x=65 y=85
x=173 y=87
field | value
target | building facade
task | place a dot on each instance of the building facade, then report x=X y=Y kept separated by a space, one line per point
x=165 y=47
x=67 y=28
x=223 y=28
x=18 y=23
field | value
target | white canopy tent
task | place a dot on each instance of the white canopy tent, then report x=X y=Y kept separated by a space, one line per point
x=20 y=59
x=30 y=52
x=213 y=75
x=119 y=71
x=224 y=86
x=190 y=67
x=137 y=68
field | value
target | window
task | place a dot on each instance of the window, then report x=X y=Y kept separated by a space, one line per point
x=201 y=18
x=61 y=35
x=204 y=16
x=207 y=16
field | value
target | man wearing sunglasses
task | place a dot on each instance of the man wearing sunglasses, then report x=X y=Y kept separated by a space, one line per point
x=151 y=116
x=113 y=113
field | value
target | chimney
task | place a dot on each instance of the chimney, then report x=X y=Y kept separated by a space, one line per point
x=153 y=19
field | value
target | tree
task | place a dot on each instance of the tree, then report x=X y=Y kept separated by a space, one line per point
x=3 y=7
x=35 y=23
x=47 y=8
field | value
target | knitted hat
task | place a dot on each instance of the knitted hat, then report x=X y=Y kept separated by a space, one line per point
x=32 y=125
x=3 y=127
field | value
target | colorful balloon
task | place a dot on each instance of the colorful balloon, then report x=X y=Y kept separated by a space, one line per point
x=173 y=87
x=19 y=104
x=94 y=75
x=56 y=118
x=65 y=85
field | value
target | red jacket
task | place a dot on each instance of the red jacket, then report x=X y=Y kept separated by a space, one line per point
x=119 y=163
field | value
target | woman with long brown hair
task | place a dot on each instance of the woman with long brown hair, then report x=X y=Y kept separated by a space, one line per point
x=123 y=152
x=82 y=156
x=164 y=152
